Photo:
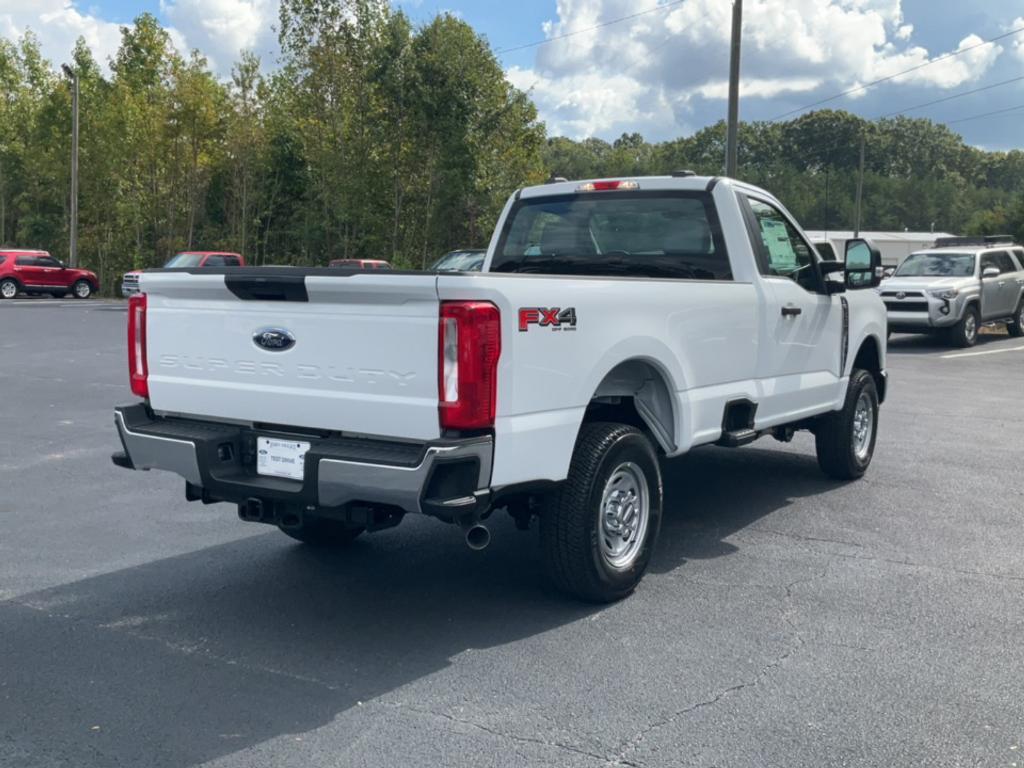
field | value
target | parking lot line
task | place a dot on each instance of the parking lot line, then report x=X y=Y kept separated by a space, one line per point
x=983 y=352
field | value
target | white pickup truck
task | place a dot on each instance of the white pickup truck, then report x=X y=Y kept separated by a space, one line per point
x=614 y=322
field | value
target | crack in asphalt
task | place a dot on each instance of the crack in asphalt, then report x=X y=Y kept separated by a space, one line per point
x=501 y=734
x=799 y=537
x=929 y=567
x=786 y=615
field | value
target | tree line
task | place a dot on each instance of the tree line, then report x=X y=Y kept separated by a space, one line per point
x=373 y=138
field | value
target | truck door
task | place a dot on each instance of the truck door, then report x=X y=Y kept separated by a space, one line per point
x=801 y=325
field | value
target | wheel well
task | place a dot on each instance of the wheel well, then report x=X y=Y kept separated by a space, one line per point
x=869 y=359
x=635 y=392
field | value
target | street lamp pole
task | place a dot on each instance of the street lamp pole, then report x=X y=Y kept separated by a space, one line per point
x=733 y=126
x=73 y=76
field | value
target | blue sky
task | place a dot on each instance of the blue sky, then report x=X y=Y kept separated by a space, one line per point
x=662 y=73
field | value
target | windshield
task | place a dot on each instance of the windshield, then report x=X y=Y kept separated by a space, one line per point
x=670 y=235
x=937 y=265
x=184 y=260
x=460 y=261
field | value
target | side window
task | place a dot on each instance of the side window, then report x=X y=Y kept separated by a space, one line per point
x=1004 y=262
x=1019 y=255
x=785 y=253
x=989 y=260
x=47 y=261
x=230 y=261
x=3 y=259
x=25 y=261
x=215 y=261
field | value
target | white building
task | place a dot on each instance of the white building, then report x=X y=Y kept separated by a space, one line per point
x=895 y=246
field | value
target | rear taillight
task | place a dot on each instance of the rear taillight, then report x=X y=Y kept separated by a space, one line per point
x=469 y=344
x=138 y=371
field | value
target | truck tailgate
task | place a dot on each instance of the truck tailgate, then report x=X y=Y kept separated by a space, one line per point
x=362 y=355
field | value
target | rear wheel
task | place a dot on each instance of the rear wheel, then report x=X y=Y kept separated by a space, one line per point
x=598 y=531
x=845 y=440
x=1016 y=326
x=965 y=333
x=321 y=532
x=82 y=289
x=8 y=289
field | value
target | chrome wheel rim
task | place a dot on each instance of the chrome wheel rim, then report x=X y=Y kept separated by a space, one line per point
x=863 y=424
x=625 y=513
x=8 y=290
x=82 y=290
x=970 y=327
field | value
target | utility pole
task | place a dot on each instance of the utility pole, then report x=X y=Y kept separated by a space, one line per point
x=73 y=76
x=732 y=135
x=860 y=189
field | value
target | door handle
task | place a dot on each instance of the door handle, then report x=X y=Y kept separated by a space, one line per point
x=791 y=311
x=1002 y=283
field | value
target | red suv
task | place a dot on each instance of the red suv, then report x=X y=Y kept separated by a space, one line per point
x=35 y=272
x=185 y=260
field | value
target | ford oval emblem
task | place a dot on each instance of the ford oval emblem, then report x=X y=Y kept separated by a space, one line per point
x=273 y=339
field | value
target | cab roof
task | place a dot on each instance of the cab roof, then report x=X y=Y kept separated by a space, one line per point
x=690 y=183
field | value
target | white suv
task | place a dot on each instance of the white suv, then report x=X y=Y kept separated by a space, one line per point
x=957 y=288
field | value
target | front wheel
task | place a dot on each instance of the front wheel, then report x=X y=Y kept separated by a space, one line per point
x=965 y=333
x=82 y=289
x=598 y=531
x=321 y=532
x=845 y=439
x=8 y=289
x=1016 y=327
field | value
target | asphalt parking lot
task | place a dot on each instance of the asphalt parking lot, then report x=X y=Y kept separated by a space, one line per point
x=787 y=621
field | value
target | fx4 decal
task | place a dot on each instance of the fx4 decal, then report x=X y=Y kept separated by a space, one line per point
x=555 y=318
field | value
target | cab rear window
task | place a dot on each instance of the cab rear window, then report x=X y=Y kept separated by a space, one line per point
x=657 y=235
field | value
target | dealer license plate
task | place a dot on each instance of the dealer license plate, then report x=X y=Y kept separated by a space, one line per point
x=281 y=458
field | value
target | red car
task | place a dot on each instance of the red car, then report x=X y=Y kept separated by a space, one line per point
x=36 y=272
x=185 y=260
x=360 y=263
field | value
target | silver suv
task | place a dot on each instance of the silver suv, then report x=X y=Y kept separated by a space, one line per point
x=956 y=288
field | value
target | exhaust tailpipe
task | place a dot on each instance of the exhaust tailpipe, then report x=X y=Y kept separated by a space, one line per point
x=478 y=537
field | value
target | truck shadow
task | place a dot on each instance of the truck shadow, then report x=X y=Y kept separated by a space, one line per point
x=711 y=493
x=193 y=657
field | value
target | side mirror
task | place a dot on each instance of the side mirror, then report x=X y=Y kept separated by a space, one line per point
x=863 y=264
x=888 y=271
x=990 y=272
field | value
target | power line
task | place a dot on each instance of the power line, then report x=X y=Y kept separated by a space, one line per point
x=986 y=114
x=602 y=25
x=951 y=98
x=930 y=62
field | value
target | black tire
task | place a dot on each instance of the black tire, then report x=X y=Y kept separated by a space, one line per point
x=572 y=530
x=9 y=288
x=835 y=437
x=321 y=532
x=81 y=289
x=960 y=335
x=1016 y=326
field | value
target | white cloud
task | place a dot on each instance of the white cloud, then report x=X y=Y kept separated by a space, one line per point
x=1018 y=45
x=58 y=23
x=221 y=29
x=652 y=70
